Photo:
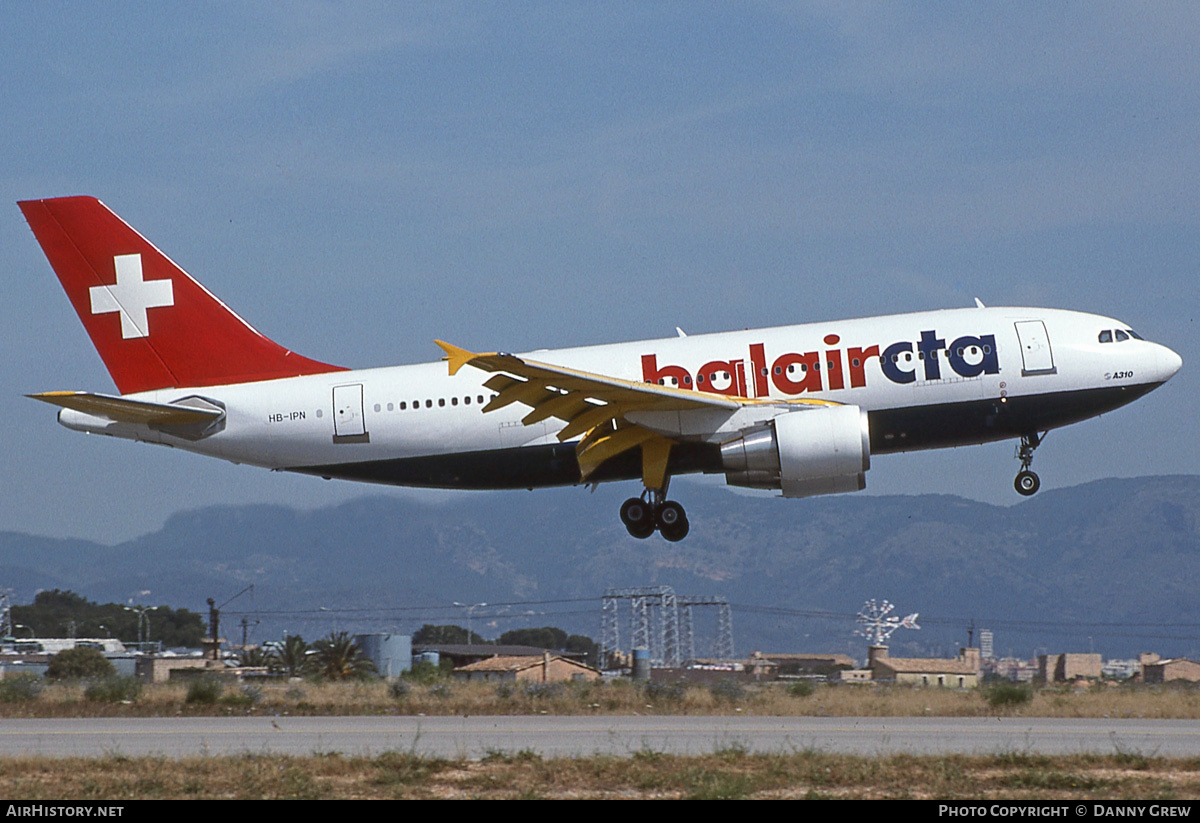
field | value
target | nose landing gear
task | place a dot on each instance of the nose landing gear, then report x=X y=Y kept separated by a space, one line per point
x=652 y=512
x=1027 y=482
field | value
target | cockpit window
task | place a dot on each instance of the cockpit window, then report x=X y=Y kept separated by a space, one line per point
x=1121 y=336
x=1135 y=335
x=1106 y=336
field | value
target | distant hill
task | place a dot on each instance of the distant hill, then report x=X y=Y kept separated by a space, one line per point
x=1111 y=565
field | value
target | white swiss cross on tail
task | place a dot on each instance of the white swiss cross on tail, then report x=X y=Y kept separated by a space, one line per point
x=132 y=296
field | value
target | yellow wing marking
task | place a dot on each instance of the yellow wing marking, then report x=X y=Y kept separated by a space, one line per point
x=593 y=405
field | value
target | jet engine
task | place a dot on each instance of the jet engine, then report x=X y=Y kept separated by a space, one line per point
x=816 y=450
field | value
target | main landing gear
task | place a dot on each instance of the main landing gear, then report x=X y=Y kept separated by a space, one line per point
x=652 y=512
x=1027 y=482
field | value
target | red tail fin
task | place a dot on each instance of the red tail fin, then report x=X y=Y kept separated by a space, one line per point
x=153 y=325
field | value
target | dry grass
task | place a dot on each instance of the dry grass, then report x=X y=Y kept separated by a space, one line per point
x=617 y=698
x=730 y=773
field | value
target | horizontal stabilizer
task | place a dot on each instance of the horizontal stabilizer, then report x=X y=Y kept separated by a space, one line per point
x=122 y=410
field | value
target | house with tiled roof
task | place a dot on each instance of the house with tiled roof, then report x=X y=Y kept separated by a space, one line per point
x=548 y=668
x=961 y=672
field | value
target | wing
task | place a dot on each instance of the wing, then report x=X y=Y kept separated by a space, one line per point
x=612 y=414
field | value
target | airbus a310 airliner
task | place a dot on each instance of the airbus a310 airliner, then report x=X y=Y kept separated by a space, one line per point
x=799 y=409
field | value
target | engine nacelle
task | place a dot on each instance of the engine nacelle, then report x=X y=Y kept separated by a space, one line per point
x=825 y=450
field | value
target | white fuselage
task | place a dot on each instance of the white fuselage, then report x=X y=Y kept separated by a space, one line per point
x=973 y=374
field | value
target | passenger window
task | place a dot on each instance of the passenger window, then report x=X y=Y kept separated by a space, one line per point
x=1106 y=336
x=453 y=401
x=429 y=404
x=1121 y=336
x=441 y=402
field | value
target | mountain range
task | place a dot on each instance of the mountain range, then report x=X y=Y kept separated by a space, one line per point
x=1110 y=566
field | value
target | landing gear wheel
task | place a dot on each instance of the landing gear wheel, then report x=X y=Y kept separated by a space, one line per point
x=638 y=517
x=645 y=515
x=672 y=521
x=669 y=514
x=676 y=532
x=1027 y=482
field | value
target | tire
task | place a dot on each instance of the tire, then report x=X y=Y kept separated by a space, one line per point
x=1027 y=483
x=676 y=532
x=639 y=531
x=636 y=513
x=670 y=514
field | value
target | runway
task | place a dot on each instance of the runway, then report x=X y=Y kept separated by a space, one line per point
x=476 y=737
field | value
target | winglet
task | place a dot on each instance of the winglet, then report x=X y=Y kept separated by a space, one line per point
x=457 y=357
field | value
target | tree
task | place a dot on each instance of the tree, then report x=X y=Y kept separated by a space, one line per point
x=254 y=657
x=59 y=613
x=429 y=635
x=80 y=664
x=338 y=657
x=547 y=637
x=550 y=637
x=291 y=657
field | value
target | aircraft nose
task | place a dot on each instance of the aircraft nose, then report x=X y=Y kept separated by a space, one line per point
x=1169 y=362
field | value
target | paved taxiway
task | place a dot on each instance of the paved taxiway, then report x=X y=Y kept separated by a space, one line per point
x=475 y=737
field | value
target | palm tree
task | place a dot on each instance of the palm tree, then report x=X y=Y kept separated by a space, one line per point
x=254 y=657
x=291 y=657
x=338 y=657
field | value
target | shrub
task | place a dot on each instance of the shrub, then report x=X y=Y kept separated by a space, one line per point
x=204 y=690
x=20 y=689
x=399 y=690
x=114 y=690
x=247 y=695
x=423 y=672
x=729 y=691
x=80 y=664
x=536 y=690
x=664 y=692
x=1008 y=694
x=801 y=688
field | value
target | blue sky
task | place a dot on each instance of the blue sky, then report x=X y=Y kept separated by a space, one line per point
x=358 y=179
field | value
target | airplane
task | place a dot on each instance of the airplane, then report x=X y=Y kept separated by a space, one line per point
x=796 y=409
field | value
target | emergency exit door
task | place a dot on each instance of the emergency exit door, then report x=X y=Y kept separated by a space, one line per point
x=1036 y=355
x=349 y=424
